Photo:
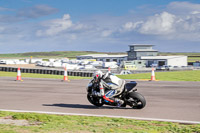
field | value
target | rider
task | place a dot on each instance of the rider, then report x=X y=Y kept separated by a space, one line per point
x=113 y=84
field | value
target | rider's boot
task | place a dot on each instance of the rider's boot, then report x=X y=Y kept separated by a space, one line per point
x=119 y=102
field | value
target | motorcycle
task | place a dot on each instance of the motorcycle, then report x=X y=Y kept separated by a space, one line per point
x=129 y=95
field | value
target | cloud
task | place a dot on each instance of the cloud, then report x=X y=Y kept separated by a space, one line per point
x=26 y=13
x=159 y=24
x=169 y=25
x=195 y=12
x=2 y=29
x=10 y=19
x=106 y=33
x=131 y=25
x=54 y=27
x=5 y=9
x=36 y=11
x=182 y=7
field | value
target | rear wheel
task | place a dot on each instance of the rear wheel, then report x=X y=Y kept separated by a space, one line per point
x=136 y=100
x=95 y=100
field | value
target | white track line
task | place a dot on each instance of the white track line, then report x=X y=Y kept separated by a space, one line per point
x=111 y=116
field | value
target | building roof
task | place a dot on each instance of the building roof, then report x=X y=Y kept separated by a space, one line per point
x=159 y=57
x=141 y=45
x=146 y=50
x=103 y=56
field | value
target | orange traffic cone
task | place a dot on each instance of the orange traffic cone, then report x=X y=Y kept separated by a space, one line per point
x=19 y=78
x=109 y=70
x=153 y=77
x=65 y=75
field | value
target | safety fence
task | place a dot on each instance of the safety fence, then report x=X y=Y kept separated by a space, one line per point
x=47 y=71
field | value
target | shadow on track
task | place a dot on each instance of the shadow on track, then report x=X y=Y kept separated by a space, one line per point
x=82 y=106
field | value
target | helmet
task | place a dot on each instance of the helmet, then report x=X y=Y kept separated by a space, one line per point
x=98 y=74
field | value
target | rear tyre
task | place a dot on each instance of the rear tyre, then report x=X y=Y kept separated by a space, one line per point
x=136 y=100
x=95 y=100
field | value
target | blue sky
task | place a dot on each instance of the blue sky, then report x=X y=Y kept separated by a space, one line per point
x=98 y=25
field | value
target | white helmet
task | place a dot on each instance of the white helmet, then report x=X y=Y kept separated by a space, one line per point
x=98 y=74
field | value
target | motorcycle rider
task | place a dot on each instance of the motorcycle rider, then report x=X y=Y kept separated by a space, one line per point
x=109 y=86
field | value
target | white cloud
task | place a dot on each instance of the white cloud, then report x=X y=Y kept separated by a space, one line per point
x=195 y=12
x=159 y=24
x=179 y=23
x=66 y=16
x=106 y=33
x=183 y=7
x=79 y=26
x=54 y=27
x=169 y=26
x=1 y=29
x=131 y=25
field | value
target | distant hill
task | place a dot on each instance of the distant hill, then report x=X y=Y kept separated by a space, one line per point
x=186 y=54
x=54 y=54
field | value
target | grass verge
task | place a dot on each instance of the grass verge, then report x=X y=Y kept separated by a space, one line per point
x=167 y=76
x=31 y=75
x=161 y=76
x=45 y=123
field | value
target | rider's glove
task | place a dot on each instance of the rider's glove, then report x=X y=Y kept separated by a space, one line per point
x=96 y=94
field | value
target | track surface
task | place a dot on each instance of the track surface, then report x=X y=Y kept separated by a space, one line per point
x=165 y=99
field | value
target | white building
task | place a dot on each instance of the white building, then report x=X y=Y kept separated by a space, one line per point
x=165 y=60
x=138 y=50
x=141 y=53
x=104 y=57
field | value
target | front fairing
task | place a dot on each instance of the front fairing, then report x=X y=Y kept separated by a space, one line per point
x=89 y=87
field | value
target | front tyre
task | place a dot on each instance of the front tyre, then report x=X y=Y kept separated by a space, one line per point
x=136 y=100
x=97 y=101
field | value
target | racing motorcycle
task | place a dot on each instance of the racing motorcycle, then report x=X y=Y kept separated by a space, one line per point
x=129 y=95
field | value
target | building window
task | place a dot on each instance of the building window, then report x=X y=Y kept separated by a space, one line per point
x=107 y=60
x=115 y=60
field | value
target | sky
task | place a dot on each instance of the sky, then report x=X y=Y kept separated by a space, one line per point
x=98 y=25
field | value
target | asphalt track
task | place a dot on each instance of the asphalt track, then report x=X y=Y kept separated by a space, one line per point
x=166 y=100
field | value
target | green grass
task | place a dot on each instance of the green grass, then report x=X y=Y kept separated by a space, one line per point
x=192 y=75
x=44 y=123
x=167 y=76
x=192 y=57
x=31 y=75
x=186 y=54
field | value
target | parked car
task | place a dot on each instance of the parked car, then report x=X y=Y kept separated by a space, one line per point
x=160 y=68
x=164 y=67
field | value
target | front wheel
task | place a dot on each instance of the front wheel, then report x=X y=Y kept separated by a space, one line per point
x=95 y=100
x=136 y=100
